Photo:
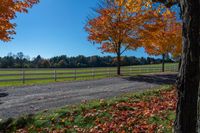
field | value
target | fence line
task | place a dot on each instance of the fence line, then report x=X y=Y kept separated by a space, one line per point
x=24 y=75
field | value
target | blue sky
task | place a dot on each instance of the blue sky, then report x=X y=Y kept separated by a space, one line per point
x=55 y=27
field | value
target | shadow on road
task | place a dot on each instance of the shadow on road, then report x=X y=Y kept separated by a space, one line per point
x=159 y=79
x=3 y=94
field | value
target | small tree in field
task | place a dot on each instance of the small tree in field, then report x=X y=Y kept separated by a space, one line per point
x=8 y=9
x=117 y=25
x=165 y=39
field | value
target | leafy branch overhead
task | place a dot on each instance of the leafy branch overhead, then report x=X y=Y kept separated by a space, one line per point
x=8 y=9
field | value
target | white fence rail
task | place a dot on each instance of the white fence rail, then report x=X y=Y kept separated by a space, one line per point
x=24 y=75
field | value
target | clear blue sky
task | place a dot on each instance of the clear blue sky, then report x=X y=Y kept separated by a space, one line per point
x=55 y=27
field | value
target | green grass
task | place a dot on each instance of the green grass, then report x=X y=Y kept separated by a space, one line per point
x=81 y=74
x=86 y=115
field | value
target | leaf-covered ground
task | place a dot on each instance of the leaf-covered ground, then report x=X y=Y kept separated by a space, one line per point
x=152 y=111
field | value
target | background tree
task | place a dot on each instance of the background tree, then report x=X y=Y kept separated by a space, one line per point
x=117 y=24
x=8 y=9
x=20 y=60
x=163 y=40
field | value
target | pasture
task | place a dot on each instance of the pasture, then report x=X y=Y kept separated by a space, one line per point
x=17 y=77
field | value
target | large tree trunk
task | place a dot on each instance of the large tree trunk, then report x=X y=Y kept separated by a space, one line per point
x=188 y=77
x=163 y=62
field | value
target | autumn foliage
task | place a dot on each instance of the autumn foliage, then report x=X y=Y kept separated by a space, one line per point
x=165 y=39
x=8 y=9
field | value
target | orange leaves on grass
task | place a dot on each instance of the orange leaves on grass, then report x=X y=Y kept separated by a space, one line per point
x=133 y=116
x=130 y=115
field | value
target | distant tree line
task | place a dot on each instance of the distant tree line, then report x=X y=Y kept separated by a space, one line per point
x=21 y=61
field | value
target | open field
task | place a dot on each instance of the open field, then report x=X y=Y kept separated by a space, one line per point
x=15 y=77
x=151 y=111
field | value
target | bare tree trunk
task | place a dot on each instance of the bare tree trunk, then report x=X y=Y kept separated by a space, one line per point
x=119 y=59
x=163 y=62
x=118 y=65
x=188 y=77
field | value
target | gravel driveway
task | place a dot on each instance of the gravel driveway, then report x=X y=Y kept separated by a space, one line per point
x=16 y=101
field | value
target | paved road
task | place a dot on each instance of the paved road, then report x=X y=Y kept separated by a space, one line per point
x=16 y=101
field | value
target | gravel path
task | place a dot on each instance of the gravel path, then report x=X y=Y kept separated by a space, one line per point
x=16 y=101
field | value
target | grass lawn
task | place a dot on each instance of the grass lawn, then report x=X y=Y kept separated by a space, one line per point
x=150 y=111
x=81 y=74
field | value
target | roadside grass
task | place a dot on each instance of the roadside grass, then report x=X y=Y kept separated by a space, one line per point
x=149 y=111
x=82 y=74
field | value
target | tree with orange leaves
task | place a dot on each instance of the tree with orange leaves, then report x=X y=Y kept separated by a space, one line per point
x=163 y=40
x=8 y=9
x=117 y=24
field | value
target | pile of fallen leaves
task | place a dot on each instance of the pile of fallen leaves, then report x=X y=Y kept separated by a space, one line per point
x=133 y=116
x=153 y=112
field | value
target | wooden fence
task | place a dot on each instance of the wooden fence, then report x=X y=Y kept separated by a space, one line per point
x=24 y=75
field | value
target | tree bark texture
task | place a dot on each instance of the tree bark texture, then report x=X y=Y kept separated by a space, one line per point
x=187 y=113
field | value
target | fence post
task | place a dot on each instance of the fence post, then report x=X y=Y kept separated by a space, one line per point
x=23 y=76
x=108 y=71
x=74 y=73
x=175 y=69
x=55 y=75
x=93 y=73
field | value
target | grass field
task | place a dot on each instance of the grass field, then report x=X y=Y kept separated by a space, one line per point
x=151 y=111
x=15 y=77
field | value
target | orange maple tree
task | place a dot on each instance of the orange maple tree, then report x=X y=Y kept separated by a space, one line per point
x=163 y=40
x=117 y=24
x=8 y=9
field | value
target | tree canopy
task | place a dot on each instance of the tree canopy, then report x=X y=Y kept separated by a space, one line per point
x=165 y=39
